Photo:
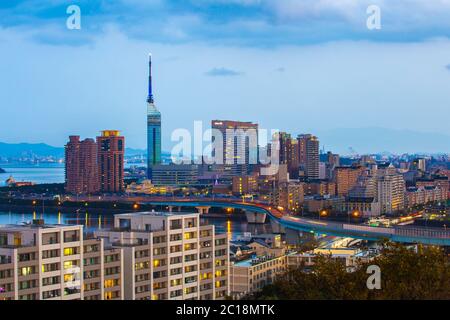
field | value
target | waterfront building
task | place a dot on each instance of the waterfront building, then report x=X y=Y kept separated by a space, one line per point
x=147 y=187
x=110 y=159
x=288 y=195
x=175 y=174
x=39 y=261
x=235 y=145
x=170 y=256
x=153 y=127
x=81 y=170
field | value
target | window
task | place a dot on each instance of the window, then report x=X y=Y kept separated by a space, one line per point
x=70 y=251
x=71 y=236
x=175 y=224
x=46 y=254
x=175 y=237
x=111 y=283
x=48 y=267
x=190 y=235
x=25 y=271
x=70 y=264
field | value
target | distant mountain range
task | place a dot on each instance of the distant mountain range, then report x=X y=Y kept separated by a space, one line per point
x=18 y=150
x=382 y=140
x=368 y=140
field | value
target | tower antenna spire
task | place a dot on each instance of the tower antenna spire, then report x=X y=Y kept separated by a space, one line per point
x=150 y=92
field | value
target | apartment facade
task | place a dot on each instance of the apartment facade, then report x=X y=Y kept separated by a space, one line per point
x=251 y=275
x=111 y=151
x=346 y=178
x=51 y=262
x=391 y=193
x=170 y=256
x=81 y=170
x=308 y=146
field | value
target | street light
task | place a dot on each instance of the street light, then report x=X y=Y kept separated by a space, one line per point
x=323 y=213
x=356 y=214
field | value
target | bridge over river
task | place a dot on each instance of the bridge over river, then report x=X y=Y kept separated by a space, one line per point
x=258 y=212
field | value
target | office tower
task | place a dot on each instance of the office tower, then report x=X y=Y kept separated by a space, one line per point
x=175 y=174
x=81 y=168
x=53 y=262
x=170 y=256
x=111 y=150
x=235 y=145
x=309 y=155
x=346 y=178
x=153 y=127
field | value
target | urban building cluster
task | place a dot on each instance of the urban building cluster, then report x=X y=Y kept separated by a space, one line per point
x=256 y=261
x=306 y=179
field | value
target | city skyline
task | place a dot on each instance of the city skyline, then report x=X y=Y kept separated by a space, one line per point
x=352 y=78
x=235 y=150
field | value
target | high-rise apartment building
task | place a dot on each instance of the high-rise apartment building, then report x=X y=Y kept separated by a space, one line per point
x=170 y=256
x=391 y=192
x=81 y=170
x=111 y=151
x=153 y=127
x=39 y=261
x=346 y=177
x=289 y=154
x=309 y=155
x=235 y=145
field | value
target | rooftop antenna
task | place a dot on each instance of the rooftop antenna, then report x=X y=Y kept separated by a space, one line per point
x=150 y=91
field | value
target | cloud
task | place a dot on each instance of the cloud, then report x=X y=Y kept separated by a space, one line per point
x=223 y=72
x=254 y=23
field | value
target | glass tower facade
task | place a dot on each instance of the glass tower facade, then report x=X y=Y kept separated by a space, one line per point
x=153 y=128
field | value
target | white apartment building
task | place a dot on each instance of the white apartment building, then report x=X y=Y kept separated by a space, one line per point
x=39 y=261
x=170 y=256
x=391 y=192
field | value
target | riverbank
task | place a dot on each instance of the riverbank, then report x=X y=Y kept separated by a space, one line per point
x=99 y=207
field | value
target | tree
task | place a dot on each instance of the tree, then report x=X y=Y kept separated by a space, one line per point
x=419 y=272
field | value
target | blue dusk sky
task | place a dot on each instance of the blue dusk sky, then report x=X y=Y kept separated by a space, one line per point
x=293 y=65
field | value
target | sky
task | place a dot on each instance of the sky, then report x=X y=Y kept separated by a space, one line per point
x=294 y=65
